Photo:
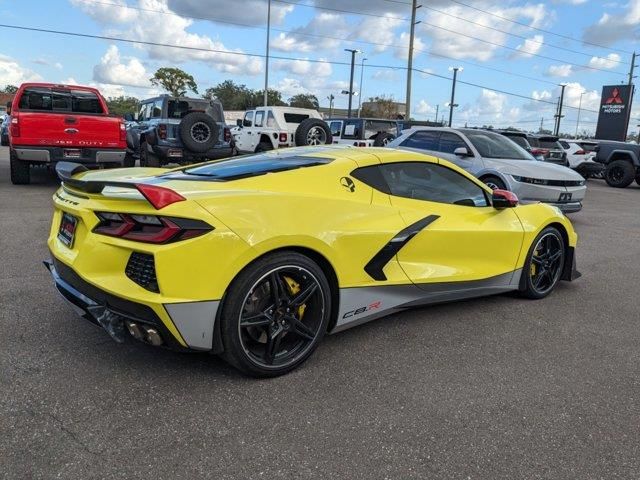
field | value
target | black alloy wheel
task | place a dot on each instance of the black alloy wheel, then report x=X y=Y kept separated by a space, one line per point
x=280 y=312
x=545 y=263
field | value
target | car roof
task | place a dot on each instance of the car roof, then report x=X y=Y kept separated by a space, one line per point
x=511 y=133
x=361 y=118
x=546 y=138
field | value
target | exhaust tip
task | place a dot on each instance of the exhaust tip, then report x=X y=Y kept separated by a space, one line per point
x=135 y=330
x=153 y=337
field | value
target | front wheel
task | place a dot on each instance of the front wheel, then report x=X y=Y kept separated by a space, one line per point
x=494 y=183
x=545 y=261
x=274 y=314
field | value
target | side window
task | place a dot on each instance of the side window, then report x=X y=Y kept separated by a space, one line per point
x=565 y=145
x=373 y=127
x=156 y=109
x=248 y=119
x=351 y=129
x=259 y=118
x=336 y=128
x=271 y=121
x=422 y=139
x=449 y=142
x=433 y=183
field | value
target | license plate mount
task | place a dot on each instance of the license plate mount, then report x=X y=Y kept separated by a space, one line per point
x=72 y=153
x=67 y=230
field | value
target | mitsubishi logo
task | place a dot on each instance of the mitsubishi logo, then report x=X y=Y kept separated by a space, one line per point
x=614 y=98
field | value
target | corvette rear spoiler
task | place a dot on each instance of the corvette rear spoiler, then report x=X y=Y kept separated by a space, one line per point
x=158 y=197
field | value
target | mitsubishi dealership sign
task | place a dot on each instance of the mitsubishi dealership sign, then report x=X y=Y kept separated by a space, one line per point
x=614 y=112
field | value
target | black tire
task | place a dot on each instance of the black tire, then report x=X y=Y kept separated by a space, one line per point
x=535 y=283
x=264 y=147
x=4 y=140
x=129 y=161
x=198 y=132
x=494 y=183
x=313 y=131
x=619 y=173
x=20 y=171
x=251 y=298
x=638 y=179
x=148 y=159
x=382 y=139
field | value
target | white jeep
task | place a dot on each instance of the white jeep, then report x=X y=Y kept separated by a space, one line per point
x=268 y=128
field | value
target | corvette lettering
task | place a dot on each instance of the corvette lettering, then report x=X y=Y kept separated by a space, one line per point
x=361 y=310
x=65 y=200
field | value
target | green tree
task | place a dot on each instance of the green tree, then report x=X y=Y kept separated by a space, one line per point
x=381 y=107
x=175 y=81
x=9 y=89
x=304 y=100
x=274 y=98
x=121 y=105
x=232 y=96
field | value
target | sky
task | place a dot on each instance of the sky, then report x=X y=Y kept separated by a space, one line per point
x=514 y=53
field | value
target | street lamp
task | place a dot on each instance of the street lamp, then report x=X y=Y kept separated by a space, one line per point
x=361 y=80
x=579 y=109
x=452 y=103
x=353 y=61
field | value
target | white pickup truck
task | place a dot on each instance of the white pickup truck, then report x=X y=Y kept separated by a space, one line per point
x=268 y=128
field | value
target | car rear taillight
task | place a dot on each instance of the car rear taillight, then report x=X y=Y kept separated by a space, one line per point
x=159 y=197
x=15 y=127
x=580 y=152
x=540 y=151
x=149 y=228
x=227 y=134
x=283 y=137
x=123 y=132
x=162 y=131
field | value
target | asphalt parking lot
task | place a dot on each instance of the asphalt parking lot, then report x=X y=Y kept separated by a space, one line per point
x=491 y=388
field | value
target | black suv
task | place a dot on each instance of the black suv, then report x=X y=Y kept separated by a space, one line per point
x=622 y=161
x=177 y=130
x=545 y=148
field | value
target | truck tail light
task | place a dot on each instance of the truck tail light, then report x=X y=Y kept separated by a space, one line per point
x=15 y=127
x=162 y=131
x=227 y=134
x=149 y=228
x=283 y=137
x=123 y=132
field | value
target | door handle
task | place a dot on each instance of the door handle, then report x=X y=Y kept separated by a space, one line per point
x=71 y=130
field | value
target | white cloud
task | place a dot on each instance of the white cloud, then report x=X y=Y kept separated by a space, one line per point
x=12 y=73
x=561 y=71
x=290 y=87
x=610 y=61
x=304 y=67
x=113 y=70
x=423 y=108
x=251 y=12
x=529 y=47
x=378 y=30
x=403 y=53
x=571 y=2
x=386 y=75
x=611 y=28
x=313 y=36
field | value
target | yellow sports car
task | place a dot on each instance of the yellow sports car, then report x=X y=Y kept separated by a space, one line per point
x=255 y=258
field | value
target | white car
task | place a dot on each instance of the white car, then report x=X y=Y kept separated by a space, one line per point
x=270 y=128
x=581 y=155
x=500 y=163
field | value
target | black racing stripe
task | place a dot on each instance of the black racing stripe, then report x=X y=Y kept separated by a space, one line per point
x=386 y=253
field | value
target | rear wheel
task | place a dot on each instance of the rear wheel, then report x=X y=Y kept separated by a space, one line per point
x=619 y=173
x=264 y=147
x=544 y=264
x=129 y=161
x=275 y=314
x=147 y=159
x=20 y=171
x=494 y=183
x=638 y=179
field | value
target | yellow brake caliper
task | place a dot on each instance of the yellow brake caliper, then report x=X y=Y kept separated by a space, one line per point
x=294 y=288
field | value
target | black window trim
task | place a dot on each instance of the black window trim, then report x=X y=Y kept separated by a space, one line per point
x=464 y=140
x=66 y=111
x=379 y=183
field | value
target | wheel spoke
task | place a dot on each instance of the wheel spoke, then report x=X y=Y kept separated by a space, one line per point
x=538 y=280
x=304 y=295
x=278 y=289
x=300 y=328
x=537 y=260
x=273 y=344
x=554 y=257
x=259 y=320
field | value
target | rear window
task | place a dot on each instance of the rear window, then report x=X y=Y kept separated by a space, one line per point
x=253 y=165
x=588 y=147
x=178 y=109
x=60 y=100
x=519 y=140
x=551 y=145
x=295 y=117
x=565 y=145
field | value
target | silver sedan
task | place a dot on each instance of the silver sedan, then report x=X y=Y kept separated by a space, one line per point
x=500 y=163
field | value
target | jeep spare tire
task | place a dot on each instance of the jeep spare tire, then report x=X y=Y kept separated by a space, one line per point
x=313 y=131
x=198 y=132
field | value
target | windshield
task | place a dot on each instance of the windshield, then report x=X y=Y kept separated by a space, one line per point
x=253 y=165
x=493 y=145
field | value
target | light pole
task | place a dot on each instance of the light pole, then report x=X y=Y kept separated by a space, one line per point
x=453 y=104
x=361 y=80
x=353 y=61
x=331 y=98
x=579 y=109
x=266 y=66
x=437 y=109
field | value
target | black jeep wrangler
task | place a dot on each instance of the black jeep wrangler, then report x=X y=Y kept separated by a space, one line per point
x=621 y=160
x=177 y=130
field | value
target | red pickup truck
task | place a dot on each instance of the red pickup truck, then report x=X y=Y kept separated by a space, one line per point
x=50 y=123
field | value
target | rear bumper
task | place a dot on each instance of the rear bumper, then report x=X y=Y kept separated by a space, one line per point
x=193 y=320
x=57 y=154
x=179 y=154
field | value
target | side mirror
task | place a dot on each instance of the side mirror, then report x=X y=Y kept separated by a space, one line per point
x=462 y=152
x=504 y=199
x=128 y=117
x=239 y=123
x=9 y=108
